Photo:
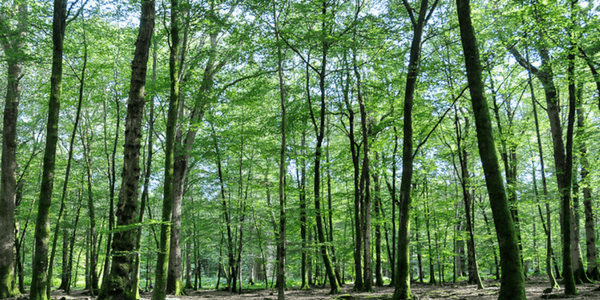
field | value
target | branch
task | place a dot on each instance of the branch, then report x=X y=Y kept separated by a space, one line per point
x=522 y=61
x=439 y=121
x=410 y=12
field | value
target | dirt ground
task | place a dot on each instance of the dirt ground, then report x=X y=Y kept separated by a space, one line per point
x=460 y=291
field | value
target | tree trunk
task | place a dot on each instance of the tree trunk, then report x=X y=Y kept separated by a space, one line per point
x=66 y=181
x=144 y=201
x=365 y=186
x=378 y=218
x=402 y=287
x=303 y=218
x=118 y=285
x=91 y=210
x=592 y=265
x=281 y=243
x=548 y=227
x=39 y=280
x=513 y=281
x=563 y=173
x=465 y=177
x=164 y=253
x=13 y=45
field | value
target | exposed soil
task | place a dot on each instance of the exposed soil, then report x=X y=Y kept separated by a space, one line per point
x=460 y=291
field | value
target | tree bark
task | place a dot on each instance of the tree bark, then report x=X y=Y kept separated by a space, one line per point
x=39 y=279
x=548 y=226
x=159 y=292
x=592 y=265
x=118 y=285
x=463 y=156
x=402 y=281
x=145 y=192
x=513 y=281
x=13 y=45
x=281 y=243
x=546 y=77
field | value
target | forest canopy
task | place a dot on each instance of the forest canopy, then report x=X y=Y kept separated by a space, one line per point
x=184 y=144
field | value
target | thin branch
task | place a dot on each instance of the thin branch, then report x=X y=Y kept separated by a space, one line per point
x=439 y=121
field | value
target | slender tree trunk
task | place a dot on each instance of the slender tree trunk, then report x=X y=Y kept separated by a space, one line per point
x=431 y=252
x=378 y=218
x=92 y=214
x=463 y=157
x=159 y=292
x=548 y=227
x=563 y=173
x=72 y=242
x=303 y=217
x=320 y=134
x=39 y=279
x=365 y=186
x=402 y=287
x=513 y=281
x=592 y=265
x=118 y=285
x=355 y=154
x=281 y=243
x=66 y=181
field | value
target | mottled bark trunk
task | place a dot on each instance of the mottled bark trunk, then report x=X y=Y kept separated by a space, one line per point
x=145 y=192
x=13 y=42
x=119 y=281
x=39 y=279
x=13 y=50
x=513 y=281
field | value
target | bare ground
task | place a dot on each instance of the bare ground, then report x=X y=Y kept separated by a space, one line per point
x=460 y=291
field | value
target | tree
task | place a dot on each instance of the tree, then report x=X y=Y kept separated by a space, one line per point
x=13 y=44
x=402 y=288
x=162 y=263
x=118 y=283
x=513 y=281
x=42 y=227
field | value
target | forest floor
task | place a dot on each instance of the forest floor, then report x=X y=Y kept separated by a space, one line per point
x=460 y=291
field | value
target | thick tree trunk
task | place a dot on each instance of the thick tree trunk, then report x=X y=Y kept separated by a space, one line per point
x=513 y=281
x=145 y=192
x=14 y=54
x=118 y=285
x=39 y=280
